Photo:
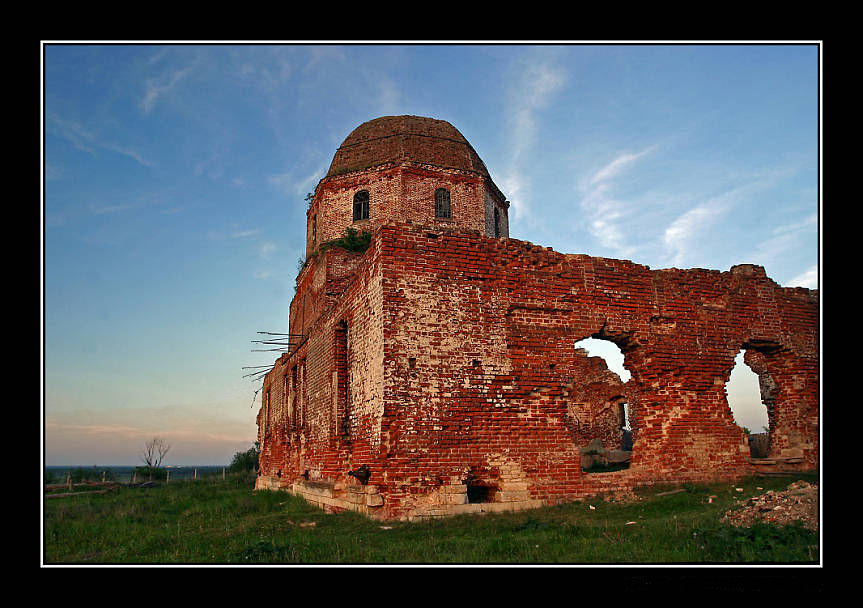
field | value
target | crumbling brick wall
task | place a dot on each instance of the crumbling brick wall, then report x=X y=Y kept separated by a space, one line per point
x=463 y=370
x=443 y=360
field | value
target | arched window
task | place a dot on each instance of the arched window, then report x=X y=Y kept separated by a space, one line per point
x=361 y=205
x=441 y=203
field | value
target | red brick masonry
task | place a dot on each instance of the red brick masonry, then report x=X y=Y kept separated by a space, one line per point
x=443 y=358
x=461 y=369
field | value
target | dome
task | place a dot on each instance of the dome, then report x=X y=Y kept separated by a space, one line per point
x=406 y=138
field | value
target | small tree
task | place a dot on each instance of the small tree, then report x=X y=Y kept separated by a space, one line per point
x=154 y=453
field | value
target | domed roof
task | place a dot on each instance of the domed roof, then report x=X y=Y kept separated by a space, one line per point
x=405 y=138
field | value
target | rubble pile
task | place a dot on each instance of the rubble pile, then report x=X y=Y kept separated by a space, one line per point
x=797 y=503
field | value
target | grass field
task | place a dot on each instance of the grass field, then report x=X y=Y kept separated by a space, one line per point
x=215 y=521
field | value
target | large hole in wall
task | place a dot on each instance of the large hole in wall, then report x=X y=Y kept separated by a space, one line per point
x=478 y=490
x=743 y=391
x=609 y=352
x=478 y=494
x=601 y=454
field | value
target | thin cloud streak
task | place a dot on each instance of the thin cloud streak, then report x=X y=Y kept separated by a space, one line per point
x=290 y=185
x=681 y=237
x=101 y=210
x=602 y=210
x=86 y=141
x=156 y=88
x=618 y=165
x=533 y=90
x=245 y=233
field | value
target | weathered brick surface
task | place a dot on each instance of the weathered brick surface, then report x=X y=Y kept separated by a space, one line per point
x=401 y=161
x=444 y=360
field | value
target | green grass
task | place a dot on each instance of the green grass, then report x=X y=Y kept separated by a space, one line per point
x=215 y=521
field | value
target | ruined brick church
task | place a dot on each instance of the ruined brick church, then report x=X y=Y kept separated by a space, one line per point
x=435 y=373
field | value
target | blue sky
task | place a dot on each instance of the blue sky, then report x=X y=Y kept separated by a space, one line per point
x=175 y=177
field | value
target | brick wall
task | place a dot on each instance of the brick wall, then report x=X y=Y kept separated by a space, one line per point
x=462 y=371
x=401 y=192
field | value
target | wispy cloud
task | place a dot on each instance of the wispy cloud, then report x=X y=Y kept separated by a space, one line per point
x=532 y=91
x=155 y=88
x=71 y=131
x=233 y=232
x=603 y=211
x=293 y=185
x=808 y=279
x=241 y=234
x=131 y=153
x=266 y=249
x=103 y=209
x=683 y=236
x=785 y=238
x=85 y=140
x=618 y=165
x=389 y=96
x=683 y=232
x=213 y=166
x=808 y=222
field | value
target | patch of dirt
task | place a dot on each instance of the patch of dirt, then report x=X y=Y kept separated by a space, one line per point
x=624 y=496
x=797 y=503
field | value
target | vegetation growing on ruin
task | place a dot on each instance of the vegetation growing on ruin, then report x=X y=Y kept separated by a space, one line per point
x=351 y=241
x=216 y=521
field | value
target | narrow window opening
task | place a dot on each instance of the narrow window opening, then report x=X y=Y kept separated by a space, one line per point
x=303 y=400
x=342 y=380
x=287 y=402
x=294 y=394
x=267 y=418
x=361 y=205
x=496 y=222
x=315 y=228
x=441 y=203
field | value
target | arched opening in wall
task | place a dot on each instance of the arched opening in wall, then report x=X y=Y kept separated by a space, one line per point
x=743 y=392
x=600 y=408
